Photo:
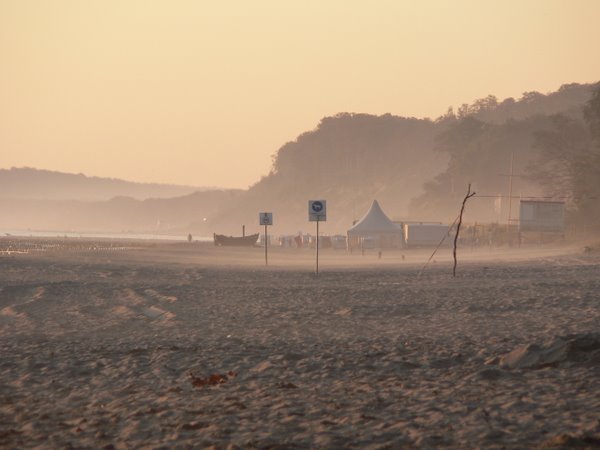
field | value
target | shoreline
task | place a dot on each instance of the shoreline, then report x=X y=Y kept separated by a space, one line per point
x=205 y=253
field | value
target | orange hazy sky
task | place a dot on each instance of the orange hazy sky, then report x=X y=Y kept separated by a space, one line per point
x=204 y=92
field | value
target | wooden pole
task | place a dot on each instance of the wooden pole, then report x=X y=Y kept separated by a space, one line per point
x=462 y=209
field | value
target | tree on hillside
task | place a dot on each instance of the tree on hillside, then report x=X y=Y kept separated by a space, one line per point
x=567 y=100
x=591 y=114
x=589 y=181
x=569 y=163
x=480 y=154
x=563 y=149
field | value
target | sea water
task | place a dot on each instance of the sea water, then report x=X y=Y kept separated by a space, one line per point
x=73 y=234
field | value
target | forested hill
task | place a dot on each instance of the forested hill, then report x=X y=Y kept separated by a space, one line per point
x=349 y=160
x=417 y=168
x=29 y=183
x=484 y=139
x=119 y=214
x=567 y=100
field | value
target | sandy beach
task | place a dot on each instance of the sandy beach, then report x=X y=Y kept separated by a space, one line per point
x=131 y=345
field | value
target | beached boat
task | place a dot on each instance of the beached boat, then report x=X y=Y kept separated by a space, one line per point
x=235 y=241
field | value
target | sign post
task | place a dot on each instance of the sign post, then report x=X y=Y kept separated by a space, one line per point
x=317 y=212
x=266 y=218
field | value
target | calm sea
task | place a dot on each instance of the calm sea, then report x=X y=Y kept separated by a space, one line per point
x=72 y=234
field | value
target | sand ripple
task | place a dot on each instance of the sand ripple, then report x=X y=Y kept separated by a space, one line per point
x=104 y=355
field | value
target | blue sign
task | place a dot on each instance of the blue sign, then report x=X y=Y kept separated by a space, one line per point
x=317 y=210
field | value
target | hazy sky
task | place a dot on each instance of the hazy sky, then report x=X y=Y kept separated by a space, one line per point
x=204 y=92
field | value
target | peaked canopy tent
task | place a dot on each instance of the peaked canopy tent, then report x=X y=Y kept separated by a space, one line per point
x=375 y=226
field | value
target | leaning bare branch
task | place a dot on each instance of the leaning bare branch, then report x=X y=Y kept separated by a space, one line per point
x=462 y=209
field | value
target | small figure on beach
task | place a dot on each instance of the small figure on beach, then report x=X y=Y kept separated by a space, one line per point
x=190 y=237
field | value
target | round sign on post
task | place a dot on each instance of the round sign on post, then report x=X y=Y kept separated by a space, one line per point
x=317 y=212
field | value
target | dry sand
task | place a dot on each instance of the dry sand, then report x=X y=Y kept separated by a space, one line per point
x=113 y=346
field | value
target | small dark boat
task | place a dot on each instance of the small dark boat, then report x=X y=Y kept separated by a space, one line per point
x=235 y=241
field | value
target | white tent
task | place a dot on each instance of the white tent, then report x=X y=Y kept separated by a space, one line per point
x=377 y=229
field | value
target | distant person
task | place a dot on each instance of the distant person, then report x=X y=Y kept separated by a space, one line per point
x=190 y=237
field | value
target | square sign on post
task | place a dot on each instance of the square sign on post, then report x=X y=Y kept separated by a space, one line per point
x=317 y=210
x=265 y=218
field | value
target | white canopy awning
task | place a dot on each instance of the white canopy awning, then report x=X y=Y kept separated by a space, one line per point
x=374 y=222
